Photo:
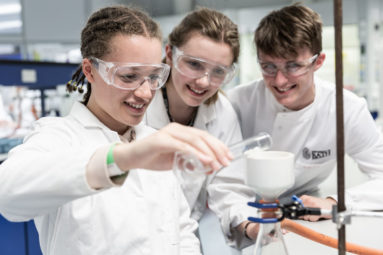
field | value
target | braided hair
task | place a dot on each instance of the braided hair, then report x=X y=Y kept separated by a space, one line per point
x=99 y=30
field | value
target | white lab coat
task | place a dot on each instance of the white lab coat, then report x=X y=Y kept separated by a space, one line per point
x=310 y=134
x=225 y=192
x=44 y=179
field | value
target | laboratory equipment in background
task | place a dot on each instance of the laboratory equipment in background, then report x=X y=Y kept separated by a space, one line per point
x=24 y=87
x=270 y=173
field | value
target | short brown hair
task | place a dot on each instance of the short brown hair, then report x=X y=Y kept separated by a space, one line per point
x=212 y=24
x=101 y=27
x=283 y=32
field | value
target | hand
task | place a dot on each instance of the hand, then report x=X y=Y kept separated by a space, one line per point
x=323 y=203
x=157 y=150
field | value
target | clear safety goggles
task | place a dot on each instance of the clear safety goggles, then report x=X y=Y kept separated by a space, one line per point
x=197 y=68
x=130 y=76
x=290 y=68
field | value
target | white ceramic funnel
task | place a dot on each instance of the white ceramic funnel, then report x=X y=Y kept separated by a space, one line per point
x=270 y=173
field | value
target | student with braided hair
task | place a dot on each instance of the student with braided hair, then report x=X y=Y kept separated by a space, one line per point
x=83 y=178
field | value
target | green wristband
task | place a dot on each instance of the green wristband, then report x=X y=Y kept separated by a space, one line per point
x=109 y=156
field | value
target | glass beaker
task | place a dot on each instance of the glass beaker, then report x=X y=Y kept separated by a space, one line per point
x=270 y=240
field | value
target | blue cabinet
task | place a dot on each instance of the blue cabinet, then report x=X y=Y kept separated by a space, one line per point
x=35 y=75
x=12 y=238
x=18 y=238
x=33 y=239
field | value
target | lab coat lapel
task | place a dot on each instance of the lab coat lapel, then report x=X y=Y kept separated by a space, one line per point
x=156 y=116
x=205 y=115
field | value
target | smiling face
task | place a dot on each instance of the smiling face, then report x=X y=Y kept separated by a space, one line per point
x=194 y=91
x=293 y=92
x=115 y=107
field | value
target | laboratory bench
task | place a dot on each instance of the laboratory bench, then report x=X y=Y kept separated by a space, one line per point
x=364 y=231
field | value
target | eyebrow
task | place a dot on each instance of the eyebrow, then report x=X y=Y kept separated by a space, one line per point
x=151 y=68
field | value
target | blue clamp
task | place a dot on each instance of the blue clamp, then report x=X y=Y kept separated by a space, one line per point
x=297 y=199
x=292 y=210
x=265 y=206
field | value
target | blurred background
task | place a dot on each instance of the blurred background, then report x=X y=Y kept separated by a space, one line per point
x=49 y=30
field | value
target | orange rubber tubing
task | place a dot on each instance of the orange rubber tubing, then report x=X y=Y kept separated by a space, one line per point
x=326 y=240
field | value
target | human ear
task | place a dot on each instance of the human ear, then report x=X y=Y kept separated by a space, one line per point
x=319 y=61
x=168 y=54
x=87 y=69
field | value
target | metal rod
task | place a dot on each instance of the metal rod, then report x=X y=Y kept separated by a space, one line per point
x=42 y=96
x=339 y=121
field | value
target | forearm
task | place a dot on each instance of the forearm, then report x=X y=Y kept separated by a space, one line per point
x=34 y=183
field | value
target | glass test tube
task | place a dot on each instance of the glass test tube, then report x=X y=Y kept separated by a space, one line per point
x=189 y=163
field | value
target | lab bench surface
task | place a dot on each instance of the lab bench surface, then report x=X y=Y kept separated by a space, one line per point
x=367 y=232
x=363 y=231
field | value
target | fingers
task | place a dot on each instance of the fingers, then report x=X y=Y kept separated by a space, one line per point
x=284 y=231
x=162 y=145
x=315 y=202
x=207 y=148
x=309 y=201
x=311 y=217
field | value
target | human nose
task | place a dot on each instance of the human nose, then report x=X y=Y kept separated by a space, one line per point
x=280 y=78
x=204 y=81
x=144 y=90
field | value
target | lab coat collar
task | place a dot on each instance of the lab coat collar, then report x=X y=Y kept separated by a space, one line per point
x=83 y=115
x=205 y=115
x=87 y=119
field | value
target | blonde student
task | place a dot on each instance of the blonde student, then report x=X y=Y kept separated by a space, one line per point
x=203 y=51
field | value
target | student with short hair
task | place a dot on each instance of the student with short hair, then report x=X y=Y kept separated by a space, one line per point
x=298 y=110
x=202 y=51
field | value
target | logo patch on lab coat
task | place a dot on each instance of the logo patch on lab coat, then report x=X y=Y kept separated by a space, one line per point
x=307 y=154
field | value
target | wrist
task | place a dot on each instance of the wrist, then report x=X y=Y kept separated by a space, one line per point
x=113 y=168
x=126 y=156
x=249 y=232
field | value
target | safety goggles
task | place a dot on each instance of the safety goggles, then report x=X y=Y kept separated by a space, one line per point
x=290 y=68
x=197 y=68
x=130 y=76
